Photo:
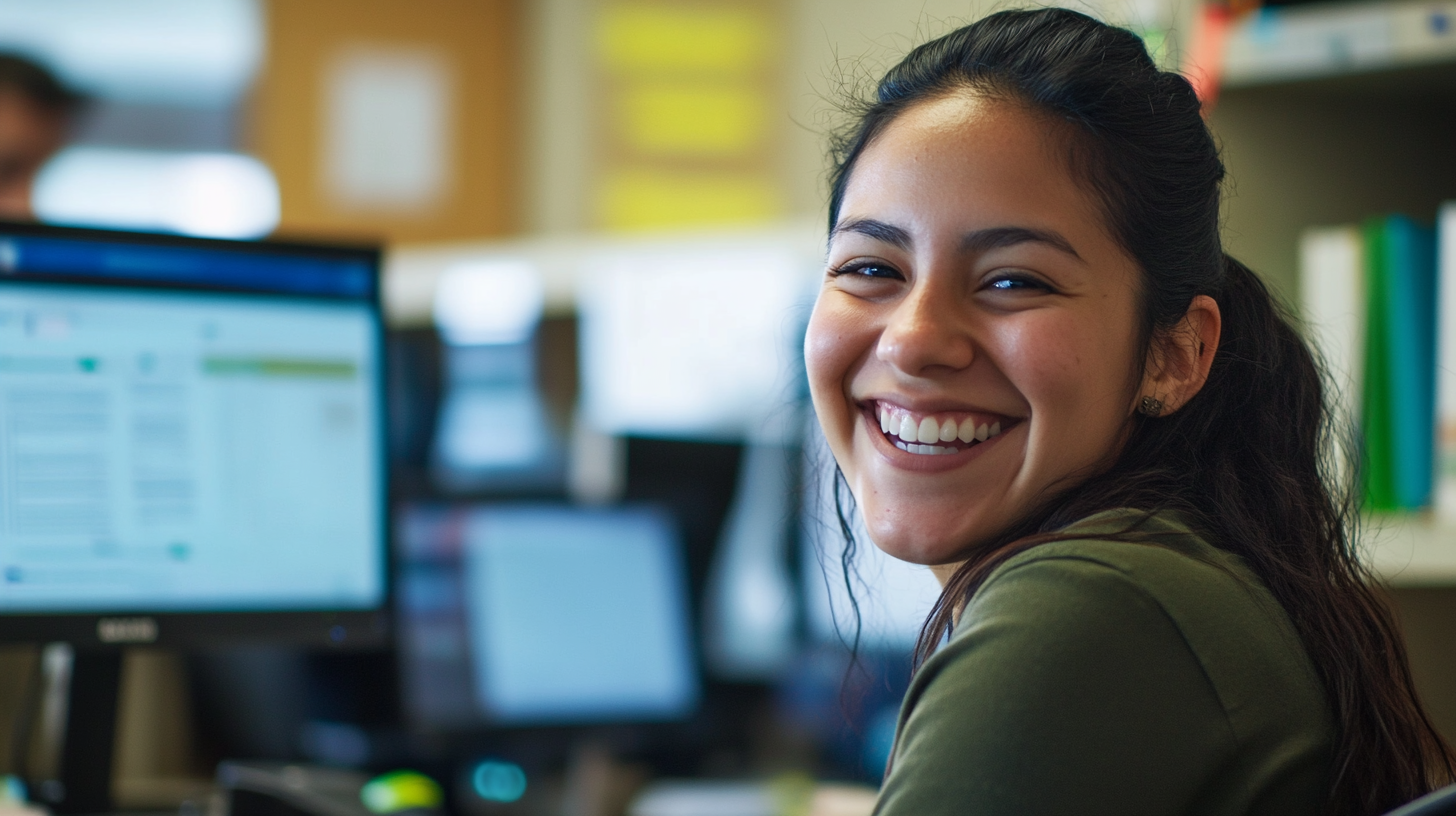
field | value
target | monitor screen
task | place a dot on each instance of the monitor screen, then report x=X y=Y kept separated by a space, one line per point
x=533 y=614
x=701 y=343
x=188 y=426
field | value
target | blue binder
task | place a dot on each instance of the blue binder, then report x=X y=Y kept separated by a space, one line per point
x=1409 y=283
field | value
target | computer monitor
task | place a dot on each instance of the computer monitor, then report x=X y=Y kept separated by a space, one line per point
x=192 y=440
x=694 y=342
x=543 y=614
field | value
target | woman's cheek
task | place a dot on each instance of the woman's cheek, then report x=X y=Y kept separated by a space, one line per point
x=828 y=346
x=1075 y=379
x=818 y=346
x=1043 y=357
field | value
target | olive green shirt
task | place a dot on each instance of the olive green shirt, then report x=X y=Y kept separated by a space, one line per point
x=1096 y=676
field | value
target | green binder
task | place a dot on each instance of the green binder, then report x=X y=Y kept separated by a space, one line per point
x=1375 y=415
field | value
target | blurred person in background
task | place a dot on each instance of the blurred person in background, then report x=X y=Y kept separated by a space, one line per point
x=36 y=113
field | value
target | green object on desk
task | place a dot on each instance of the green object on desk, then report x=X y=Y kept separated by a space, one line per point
x=793 y=794
x=401 y=790
x=12 y=790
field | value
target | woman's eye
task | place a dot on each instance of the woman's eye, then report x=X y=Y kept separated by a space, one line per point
x=1017 y=283
x=868 y=269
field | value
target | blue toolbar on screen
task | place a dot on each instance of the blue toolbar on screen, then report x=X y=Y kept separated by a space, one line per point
x=254 y=270
x=179 y=449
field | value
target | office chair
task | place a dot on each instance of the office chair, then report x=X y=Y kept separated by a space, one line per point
x=1436 y=803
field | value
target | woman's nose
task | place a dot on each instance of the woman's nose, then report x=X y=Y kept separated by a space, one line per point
x=926 y=333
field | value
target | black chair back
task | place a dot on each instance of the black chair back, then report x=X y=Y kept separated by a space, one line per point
x=1436 y=803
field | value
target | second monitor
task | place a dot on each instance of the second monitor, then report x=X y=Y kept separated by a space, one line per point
x=536 y=614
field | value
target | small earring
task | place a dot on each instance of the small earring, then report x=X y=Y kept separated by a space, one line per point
x=1150 y=406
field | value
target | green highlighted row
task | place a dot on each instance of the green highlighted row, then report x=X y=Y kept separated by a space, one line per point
x=19 y=364
x=280 y=367
x=219 y=366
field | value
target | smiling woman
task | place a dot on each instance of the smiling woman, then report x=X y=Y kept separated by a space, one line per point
x=972 y=281
x=1040 y=376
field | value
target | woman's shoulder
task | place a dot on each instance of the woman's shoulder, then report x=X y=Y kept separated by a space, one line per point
x=1098 y=675
x=1161 y=555
x=1162 y=545
x=1237 y=632
x=1209 y=594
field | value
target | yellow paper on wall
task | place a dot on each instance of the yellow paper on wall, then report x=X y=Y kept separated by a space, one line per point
x=657 y=38
x=632 y=199
x=693 y=119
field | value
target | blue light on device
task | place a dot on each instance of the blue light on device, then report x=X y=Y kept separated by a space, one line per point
x=497 y=781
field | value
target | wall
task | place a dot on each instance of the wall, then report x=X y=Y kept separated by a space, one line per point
x=833 y=46
x=843 y=46
x=1428 y=618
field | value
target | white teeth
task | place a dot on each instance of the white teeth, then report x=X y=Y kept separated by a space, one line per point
x=909 y=431
x=924 y=450
x=967 y=431
x=929 y=430
x=919 y=437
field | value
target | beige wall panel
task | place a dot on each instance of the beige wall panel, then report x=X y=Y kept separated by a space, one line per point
x=1428 y=619
x=843 y=46
x=559 y=114
x=479 y=43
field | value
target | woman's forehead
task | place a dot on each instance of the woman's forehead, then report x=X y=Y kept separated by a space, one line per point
x=965 y=158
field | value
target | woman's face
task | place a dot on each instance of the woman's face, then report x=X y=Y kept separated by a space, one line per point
x=975 y=344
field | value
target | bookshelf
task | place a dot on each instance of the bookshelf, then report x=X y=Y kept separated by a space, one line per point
x=1327 y=39
x=1332 y=149
x=1332 y=113
x=1410 y=550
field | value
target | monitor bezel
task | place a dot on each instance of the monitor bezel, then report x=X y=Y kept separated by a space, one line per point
x=338 y=628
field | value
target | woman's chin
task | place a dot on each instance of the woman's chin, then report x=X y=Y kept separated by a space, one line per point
x=909 y=538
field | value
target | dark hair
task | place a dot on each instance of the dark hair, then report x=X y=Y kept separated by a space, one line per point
x=37 y=85
x=1250 y=458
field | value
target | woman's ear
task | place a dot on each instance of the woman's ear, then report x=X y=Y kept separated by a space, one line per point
x=1179 y=359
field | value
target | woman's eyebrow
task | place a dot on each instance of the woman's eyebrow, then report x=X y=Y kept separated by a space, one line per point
x=978 y=241
x=998 y=237
x=878 y=230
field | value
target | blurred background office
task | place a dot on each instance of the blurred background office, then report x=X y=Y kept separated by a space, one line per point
x=616 y=566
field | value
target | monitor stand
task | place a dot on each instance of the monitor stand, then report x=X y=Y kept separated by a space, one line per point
x=81 y=774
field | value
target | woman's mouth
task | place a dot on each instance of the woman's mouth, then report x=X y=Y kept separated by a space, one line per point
x=935 y=434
